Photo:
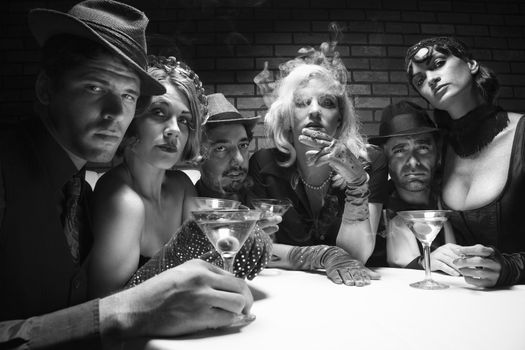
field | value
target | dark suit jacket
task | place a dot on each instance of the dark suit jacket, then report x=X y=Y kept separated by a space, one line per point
x=37 y=272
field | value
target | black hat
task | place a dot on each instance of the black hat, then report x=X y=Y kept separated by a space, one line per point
x=221 y=111
x=118 y=27
x=403 y=119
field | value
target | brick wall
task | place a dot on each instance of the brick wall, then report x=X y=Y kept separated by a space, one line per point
x=227 y=42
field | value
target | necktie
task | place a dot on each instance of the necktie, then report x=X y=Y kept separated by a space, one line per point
x=73 y=213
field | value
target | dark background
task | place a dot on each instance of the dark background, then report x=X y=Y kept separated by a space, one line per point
x=227 y=42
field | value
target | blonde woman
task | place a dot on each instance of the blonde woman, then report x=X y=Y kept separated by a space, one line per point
x=337 y=183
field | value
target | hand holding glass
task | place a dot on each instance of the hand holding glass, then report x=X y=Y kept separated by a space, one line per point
x=425 y=225
x=227 y=230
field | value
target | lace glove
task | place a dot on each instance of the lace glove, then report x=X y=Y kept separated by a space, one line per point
x=254 y=254
x=356 y=202
x=512 y=268
x=189 y=242
x=334 y=153
x=339 y=265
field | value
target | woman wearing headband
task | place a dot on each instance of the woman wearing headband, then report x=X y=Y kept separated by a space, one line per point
x=484 y=173
x=142 y=203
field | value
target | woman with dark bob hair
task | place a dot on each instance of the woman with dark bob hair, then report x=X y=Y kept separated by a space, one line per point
x=484 y=172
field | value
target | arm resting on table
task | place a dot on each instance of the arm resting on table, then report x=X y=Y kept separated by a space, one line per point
x=76 y=327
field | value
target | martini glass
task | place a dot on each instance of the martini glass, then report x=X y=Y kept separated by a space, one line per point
x=227 y=230
x=425 y=225
x=272 y=206
x=208 y=203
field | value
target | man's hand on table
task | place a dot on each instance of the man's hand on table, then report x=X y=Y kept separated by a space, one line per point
x=191 y=297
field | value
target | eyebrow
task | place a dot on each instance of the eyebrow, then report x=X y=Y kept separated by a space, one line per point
x=399 y=144
x=423 y=141
x=95 y=76
x=165 y=102
x=229 y=141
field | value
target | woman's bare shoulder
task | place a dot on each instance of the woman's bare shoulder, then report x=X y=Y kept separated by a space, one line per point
x=114 y=188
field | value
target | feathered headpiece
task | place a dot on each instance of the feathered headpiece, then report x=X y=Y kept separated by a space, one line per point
x=326 y=56
x=171 y=65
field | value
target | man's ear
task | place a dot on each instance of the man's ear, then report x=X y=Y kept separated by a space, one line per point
x=473 y=66
x=43 y=88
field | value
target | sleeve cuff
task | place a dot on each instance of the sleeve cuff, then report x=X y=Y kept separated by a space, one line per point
x=512 y=268
x=76 y=326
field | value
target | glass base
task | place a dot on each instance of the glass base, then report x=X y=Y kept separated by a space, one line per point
x=429 y=284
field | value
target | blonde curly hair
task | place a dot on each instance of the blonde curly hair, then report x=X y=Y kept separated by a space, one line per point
x=279 y=118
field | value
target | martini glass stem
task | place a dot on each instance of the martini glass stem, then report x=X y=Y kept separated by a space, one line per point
x=228 y=263
x=426 y=254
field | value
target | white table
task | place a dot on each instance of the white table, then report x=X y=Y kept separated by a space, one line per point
x=300 y=310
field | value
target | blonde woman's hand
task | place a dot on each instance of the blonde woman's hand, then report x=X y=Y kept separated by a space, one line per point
x=334 y=153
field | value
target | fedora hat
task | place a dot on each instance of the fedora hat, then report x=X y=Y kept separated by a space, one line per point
x=116 y=26
x=221 y=111
x=403 y=119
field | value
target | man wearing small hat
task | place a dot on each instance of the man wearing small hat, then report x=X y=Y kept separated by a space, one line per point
x=226 y=142
x=224 y=174
x=410 y=141
x=93 y=79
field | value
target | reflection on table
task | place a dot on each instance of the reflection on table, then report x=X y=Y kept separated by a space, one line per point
x=300 y=310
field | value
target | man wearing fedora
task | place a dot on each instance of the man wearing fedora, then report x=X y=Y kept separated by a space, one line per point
x=226 y=141
x=92 y=81
x=411 y=142
x=224 y=174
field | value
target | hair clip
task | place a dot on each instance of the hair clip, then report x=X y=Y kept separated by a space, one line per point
x=170 y=64
x=425 y=48
x=422 y=54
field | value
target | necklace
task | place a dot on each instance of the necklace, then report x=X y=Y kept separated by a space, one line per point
x=321 y=186
x=475 y=130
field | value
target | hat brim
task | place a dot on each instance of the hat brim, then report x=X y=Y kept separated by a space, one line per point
x=45 y=23
x=249 y=121
x=379 y=140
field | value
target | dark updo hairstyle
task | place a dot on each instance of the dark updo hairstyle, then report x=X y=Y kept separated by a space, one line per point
x=485 y=79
